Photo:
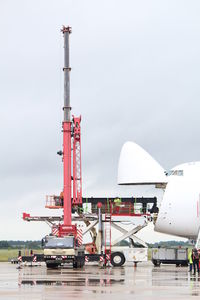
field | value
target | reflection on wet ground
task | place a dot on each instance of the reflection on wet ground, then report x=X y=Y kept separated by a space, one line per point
x=81 y=282
x=143 y=282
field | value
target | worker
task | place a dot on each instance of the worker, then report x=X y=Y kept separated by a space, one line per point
x=190 y=259
x=195 y=258
x=117 y=204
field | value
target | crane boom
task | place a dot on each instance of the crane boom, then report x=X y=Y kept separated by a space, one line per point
x=66 y=131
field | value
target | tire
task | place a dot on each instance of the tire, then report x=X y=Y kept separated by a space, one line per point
x=78 y=264
x=51 y=266
x=75 y=265
x=117 y=259
x=82 y=264
x=156 y=263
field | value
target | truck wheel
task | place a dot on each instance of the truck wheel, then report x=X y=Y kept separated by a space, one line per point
x=117 y=259
x=82 y=263
x=75 y=265
x=51 y=266
x=79 y=264
x=156 y=263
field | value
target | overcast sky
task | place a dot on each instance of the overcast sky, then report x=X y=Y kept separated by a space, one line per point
x=135 y=76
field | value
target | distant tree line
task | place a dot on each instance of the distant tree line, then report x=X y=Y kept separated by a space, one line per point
x=20 y=244
x=4 y=244
x=169 y=244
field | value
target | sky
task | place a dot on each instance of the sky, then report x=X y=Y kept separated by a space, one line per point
x=135 y=77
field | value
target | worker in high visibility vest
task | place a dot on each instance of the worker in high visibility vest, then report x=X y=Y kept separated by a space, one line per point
x=117 y=204
x=190 y=259
x=117 y=201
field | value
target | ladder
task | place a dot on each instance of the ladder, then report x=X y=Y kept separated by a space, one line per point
x=107 y=233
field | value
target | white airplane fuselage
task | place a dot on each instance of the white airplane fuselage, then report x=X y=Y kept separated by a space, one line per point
x=179 y=212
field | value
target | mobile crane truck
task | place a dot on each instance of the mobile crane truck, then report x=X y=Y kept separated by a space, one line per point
x=62 y=250
x=64 y=247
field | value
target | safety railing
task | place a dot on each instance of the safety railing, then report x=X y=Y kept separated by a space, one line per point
x=123 y=209
x=53 y=202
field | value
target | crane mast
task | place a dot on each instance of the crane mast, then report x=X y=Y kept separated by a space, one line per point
x=71 y=130
x=66 y=131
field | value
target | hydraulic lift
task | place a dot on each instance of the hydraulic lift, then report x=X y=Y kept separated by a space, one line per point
x=99 y=218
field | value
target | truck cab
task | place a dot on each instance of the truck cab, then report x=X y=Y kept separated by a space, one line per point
x=62 y=250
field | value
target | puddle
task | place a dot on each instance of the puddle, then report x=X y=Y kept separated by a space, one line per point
x=78 y=282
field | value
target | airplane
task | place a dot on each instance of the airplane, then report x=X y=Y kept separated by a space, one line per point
x=179 y=211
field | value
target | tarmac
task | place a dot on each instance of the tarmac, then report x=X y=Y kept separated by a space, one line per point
x=93 y=282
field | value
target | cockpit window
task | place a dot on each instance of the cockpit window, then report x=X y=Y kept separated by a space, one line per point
x=174 y=172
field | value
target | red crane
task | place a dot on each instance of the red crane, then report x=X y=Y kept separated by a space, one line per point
x=71 y=130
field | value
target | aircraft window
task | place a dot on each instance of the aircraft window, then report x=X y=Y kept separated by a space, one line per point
x=174 y=172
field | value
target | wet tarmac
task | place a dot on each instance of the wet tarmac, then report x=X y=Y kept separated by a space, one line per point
x=143 y=282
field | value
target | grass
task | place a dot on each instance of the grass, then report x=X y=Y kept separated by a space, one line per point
x=8 y=254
